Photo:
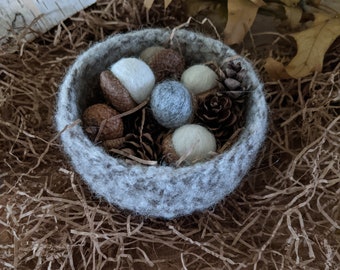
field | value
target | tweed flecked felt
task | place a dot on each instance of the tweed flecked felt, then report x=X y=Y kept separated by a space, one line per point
x=157 y=191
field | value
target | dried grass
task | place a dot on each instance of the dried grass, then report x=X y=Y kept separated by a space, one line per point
x=285 y=214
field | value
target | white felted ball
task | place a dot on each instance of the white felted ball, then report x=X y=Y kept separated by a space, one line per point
x=199 y=79
x=136 y=76
x=171 y=104
x=147 y=54
x=194 y=142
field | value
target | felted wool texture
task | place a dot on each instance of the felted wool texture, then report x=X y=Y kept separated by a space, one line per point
x=171 y=104
x=194 y=141
x=157 y=191
x=199 y=79
x=136 y=76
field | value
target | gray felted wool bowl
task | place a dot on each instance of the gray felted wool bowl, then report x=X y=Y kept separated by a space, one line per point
x=157 y=191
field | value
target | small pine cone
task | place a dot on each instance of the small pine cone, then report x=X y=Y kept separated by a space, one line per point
x=142 y=120
x=232 y=80
x=114 y=143
x=219 y=114
x=142 y=147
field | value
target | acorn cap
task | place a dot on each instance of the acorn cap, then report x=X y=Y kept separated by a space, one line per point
x=93 y=118
x=115 y=93
x=168 y=150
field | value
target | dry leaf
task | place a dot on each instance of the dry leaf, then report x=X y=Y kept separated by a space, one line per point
x=332 y=4
x=312 y=45
x=258 y=2
x=290 y=3
x=167 y=3
x=314 y=2
x=241 y=15
x=293 y=15
x=195 y=6
x=275 y=69
x=148 y=4
x=215 y=11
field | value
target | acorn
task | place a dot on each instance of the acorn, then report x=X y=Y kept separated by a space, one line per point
x=165 y=63
x=131 y=83
x=171 y=104
x=199 y=79
x=115 y=93
x=99 y=125
x=191 y=143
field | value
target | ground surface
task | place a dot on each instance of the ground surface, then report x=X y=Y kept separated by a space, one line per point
x=284 y=215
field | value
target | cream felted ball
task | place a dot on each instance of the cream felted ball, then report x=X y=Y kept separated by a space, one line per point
x=147 y=54
x=136 y=76
x=199 y=79
x=171 y=104
x=157 y=191
x=193 y=142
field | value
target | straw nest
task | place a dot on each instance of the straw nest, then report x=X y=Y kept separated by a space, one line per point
x=285 y=213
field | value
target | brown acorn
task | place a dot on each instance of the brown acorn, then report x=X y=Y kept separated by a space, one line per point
x=115 y=93
x=99 y=123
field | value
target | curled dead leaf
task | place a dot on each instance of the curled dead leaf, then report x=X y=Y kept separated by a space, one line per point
x=312 y=45
x=290 y=3
x=275 y=69
x=241 y=16
x=148 y=4
x=293 y=15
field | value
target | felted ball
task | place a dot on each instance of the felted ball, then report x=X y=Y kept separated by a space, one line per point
x=171 y=104
x=148 y=53
x=199 y=79
x=136 y=76
x=193 y=142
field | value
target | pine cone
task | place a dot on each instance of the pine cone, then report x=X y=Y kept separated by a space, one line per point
x=232 y=80
x=219 y=114
x=143 y=147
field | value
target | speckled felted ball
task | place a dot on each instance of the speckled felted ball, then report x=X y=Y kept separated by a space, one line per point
x=157 y=191
x=171 y=104
x=136 y=76
x=199 y=79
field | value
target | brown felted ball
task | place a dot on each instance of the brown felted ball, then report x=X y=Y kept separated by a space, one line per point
x=167 y=63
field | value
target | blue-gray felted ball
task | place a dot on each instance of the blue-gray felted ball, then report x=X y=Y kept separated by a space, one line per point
x=171 y=104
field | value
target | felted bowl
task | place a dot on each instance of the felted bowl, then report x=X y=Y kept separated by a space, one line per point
x=156 y=191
